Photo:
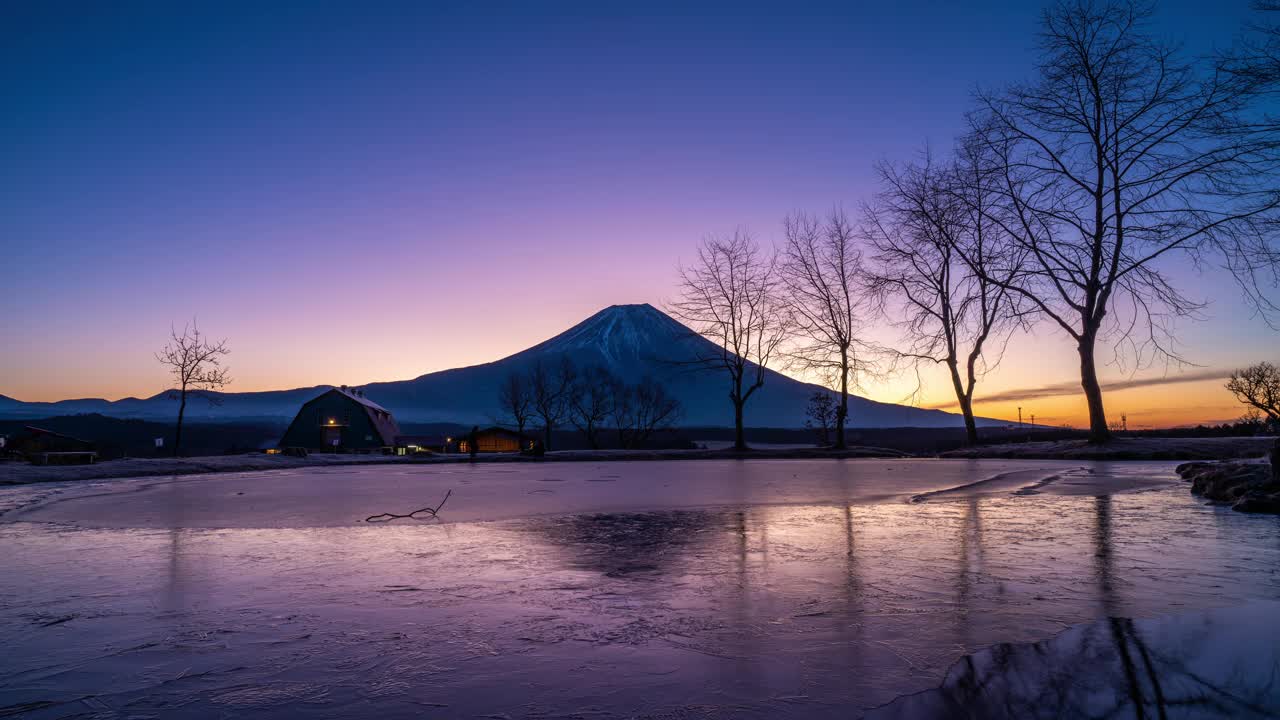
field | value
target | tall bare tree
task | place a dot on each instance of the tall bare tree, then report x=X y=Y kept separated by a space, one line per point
x=728 y=295
x=935 y=267
x=1258 y=386
x=1119 y=159
x=196 y=365
x=514 y=400
x=550 y=391
x=818 y=272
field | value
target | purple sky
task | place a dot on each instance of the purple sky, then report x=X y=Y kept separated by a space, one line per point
x=375 y=191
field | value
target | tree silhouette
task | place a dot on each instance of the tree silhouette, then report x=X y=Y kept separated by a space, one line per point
x=728 y=295
x=1119 y=158
x=819 y=272
x=196 y=365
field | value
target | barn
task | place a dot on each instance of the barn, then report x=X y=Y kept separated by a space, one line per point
x=341 y=419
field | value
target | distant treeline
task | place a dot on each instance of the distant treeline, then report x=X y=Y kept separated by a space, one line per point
x=119 y=437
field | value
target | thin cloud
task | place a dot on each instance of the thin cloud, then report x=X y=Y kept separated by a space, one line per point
x=1073 y=388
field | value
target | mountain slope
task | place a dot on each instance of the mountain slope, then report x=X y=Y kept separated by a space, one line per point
x=632 y=341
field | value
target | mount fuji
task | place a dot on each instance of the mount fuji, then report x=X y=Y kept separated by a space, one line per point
x=632 y=341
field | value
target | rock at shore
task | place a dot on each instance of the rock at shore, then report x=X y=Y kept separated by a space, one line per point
x=1249 y=486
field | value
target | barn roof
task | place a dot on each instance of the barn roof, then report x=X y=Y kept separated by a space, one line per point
x=359 y=397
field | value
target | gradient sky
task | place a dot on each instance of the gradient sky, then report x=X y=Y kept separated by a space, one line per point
x=371 y=191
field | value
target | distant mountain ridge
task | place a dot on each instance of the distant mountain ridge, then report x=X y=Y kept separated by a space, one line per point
x=631 y=341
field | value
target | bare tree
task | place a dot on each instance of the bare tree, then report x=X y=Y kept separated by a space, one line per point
x=1256 y=59
x=1258 y=386
x=820 y=414
x=514 y=400
x=728 y=296
x=641 y=410
x=653 y=410
x=196 y=365
x=550 y=391
x=1118 y=159
x=590 y=404
x=935 y=267
x=819 y=269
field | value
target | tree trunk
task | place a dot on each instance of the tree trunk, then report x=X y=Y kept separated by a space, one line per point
x=970 y=426
x=1098 y=430
x=843 y=411
x=739 y=437
x=177 y=439
x=546 y=436
x=966 y=403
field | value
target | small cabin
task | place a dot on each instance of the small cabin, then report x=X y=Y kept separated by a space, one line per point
x=495 y=439
x=341 y=419
x=47 y=447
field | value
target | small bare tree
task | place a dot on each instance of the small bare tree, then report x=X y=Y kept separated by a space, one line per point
x=729 y=297
x=550 y=394
x=939 y=272
x=820 y=414
x=590 y=404
x=1117 y=159
x=196 y=365
x=819 y=268
x=514 y=400
x=1258 y=386
x=641 y=410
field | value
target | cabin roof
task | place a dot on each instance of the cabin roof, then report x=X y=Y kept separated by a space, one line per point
x=496 y=429
x=41 y=431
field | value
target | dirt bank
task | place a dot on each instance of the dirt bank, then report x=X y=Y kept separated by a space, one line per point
x=1144 y=448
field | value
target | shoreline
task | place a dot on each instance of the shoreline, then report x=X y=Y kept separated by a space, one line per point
x=17 y=473
x=1121 y=449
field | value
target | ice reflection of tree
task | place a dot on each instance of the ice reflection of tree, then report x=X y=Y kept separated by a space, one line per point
x=1104 y=562
x=175 y=593
x=642 y=545
x=855 y=605
x=968 y=569
x=175 y=589
x=1110 y=669
x=746 y=660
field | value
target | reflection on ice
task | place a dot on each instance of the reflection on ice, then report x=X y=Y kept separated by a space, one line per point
x=805 y=610
x=1215 y=664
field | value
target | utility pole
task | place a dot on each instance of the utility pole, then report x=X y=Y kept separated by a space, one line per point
x=1019 y=417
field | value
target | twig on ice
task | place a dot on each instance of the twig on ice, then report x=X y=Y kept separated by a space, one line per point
x=432 y=511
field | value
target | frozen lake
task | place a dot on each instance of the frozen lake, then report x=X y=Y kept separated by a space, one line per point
x=653 y=589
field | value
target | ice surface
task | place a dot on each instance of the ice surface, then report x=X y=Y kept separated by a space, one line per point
x=345 y=495
x=701 y=589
